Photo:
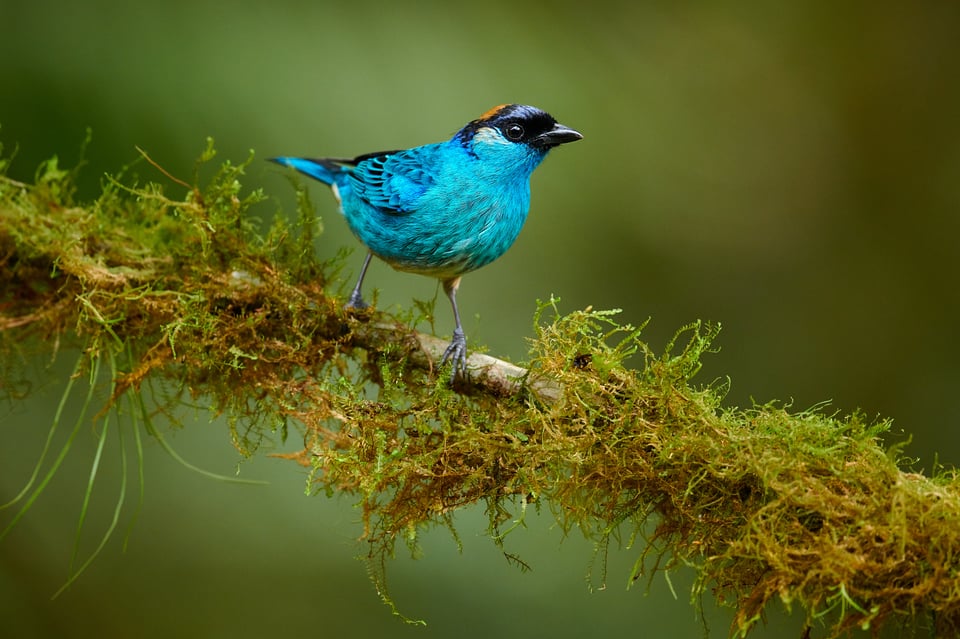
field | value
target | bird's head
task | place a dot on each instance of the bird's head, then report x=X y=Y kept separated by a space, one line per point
x=515 y=130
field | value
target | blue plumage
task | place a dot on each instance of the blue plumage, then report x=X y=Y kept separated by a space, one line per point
x=443 y=209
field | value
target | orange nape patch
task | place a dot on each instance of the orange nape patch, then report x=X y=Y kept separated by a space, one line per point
x=492 y=112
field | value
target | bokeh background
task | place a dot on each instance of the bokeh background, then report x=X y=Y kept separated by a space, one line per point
x=791 y=170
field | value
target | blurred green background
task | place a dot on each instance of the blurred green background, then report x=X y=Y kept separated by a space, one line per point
x=791 y=170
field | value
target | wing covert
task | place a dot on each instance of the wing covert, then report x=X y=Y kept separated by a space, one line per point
x=393 y=181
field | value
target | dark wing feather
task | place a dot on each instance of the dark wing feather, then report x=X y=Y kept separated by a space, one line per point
x=394 y=181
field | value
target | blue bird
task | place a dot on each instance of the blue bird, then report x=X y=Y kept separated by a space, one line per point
x=443 y=209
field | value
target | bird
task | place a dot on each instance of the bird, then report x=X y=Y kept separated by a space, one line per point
x=443 y=209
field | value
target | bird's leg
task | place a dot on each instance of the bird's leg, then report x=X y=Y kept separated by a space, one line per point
x=356 y=299
x=456 y=353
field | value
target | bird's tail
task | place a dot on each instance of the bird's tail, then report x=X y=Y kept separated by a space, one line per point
x=324 y=169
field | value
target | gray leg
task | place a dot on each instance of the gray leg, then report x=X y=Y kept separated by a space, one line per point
x=456 y=353
x=356 y=299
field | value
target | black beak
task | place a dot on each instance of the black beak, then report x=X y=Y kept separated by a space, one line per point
x=556 y=136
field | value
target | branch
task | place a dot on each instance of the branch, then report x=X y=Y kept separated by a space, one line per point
x=185 y=298
x=494 y=376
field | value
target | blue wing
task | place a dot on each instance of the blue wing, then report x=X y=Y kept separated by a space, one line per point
x=394 y=181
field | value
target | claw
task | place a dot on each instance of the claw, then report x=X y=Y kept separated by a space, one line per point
x=356 y=301
x=456 y=354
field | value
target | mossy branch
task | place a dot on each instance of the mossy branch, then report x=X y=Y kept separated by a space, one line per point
x=186 y=299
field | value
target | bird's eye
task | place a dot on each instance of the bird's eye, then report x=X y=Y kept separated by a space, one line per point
x=514 y=131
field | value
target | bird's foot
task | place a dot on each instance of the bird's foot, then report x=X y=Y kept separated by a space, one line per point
x=456 y=354
x=356 y=302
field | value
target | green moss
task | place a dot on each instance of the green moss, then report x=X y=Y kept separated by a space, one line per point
x=188 y=302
